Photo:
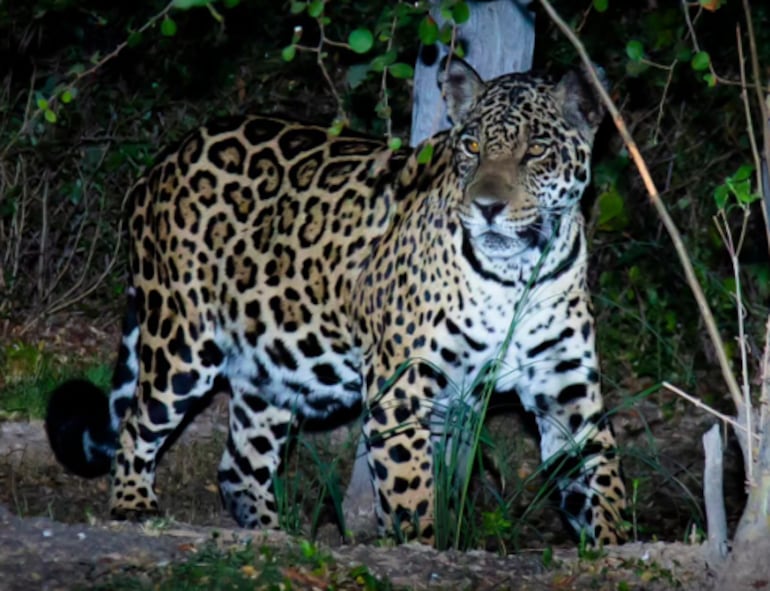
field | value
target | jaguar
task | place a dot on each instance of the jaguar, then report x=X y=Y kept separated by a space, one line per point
x=305 y=273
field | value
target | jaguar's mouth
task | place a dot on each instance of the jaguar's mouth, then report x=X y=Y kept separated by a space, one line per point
x=491 y=242
x=496 y=241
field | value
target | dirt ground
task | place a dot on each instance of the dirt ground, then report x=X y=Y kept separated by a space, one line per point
x=54 y=533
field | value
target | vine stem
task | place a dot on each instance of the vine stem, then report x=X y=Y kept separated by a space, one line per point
x=660 y=208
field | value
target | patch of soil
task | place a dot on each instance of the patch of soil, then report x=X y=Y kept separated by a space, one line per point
x=52 y=535
x=39 y=553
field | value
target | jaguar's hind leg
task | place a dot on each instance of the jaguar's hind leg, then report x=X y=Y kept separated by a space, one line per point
x=171 y=383
x=256 y=437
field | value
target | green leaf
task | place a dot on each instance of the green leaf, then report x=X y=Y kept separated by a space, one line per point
x=336 y=127
x=66 y=97
x=721 y=193
x=360 y=40
x=297 y=7
x=425 y=154
x=381 y=62
x=231 y=3
x=315 y=8
x=383 y=110
x=168 y=27
x=356 y=74
x=461 y=12
x=743 y=173
x=711 y=5
x=428 y=31
x=601 y=5
x=445 y=34
x=700 y=61
x=288 y=53
x=612 y=212
x=634 y=69
x=710 y=80
x=50 y=116
x=635 y=50
x=42 y=104
x=547 y=558
x=134 y=39
x=395 y=143
x=746 y=197
x=683 y=53
x=308 y=549
x=401 y=70
x=187 y=4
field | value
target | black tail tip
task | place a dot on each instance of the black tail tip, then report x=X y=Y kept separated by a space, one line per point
x=78 y=425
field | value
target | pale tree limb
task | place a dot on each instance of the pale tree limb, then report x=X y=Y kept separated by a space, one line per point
x=702 y=405
x=660 y=208
x=713 y=495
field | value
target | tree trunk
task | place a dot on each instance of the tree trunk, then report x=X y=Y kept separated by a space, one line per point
x=499 y=38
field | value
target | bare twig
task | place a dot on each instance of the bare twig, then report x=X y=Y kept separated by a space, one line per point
x=662 y=102
x=702 y=405
x=668 y=223
x=42 y=251
x=734 y=251
x=320 y=54
x=749 y=121
x=384 y=82
x=761 y=91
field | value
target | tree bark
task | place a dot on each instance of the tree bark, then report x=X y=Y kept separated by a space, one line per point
x=499 y=38
x=713 y=496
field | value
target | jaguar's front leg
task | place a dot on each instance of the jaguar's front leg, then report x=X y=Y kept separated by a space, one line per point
x=560 y=385
x=400 y=455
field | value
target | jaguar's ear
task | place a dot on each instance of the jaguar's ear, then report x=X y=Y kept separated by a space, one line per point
x=580 y=101
x=460 y=86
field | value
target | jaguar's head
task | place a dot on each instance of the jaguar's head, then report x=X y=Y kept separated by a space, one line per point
x=522 y=148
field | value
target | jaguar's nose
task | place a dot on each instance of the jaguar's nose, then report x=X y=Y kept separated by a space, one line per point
x=490 y=210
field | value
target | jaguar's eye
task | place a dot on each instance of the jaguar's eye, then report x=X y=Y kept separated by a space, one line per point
x=536 y=150
x=471 y=145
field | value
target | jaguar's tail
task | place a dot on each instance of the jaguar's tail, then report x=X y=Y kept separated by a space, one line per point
x=81 y=422
x=79 y=428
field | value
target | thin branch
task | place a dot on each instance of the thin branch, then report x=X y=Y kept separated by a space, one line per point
x=641 y=165
x=734 y=251
x=763 y=110
x=662 y=102
x=384 y=82
x=702 y=405
x=690 y=27
x=749 y=122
